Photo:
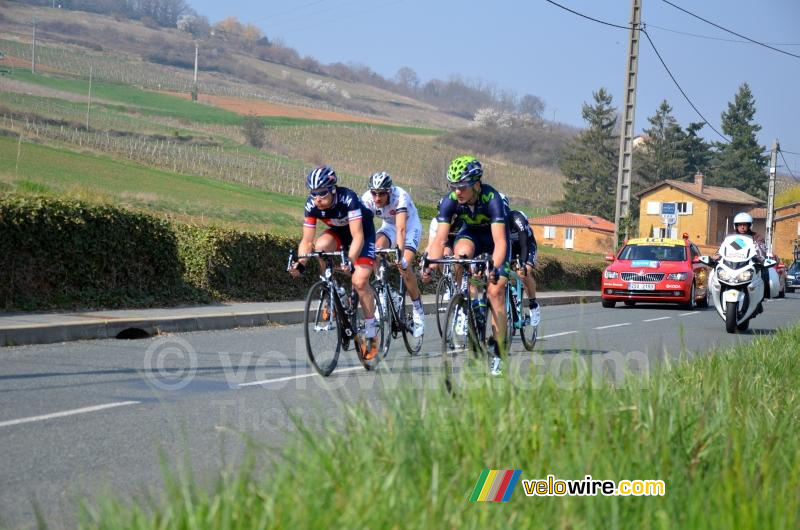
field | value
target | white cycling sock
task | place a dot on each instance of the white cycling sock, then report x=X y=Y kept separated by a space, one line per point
x=418 y=305
x=369 y=327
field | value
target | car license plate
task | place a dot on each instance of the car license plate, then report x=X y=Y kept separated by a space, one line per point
x=642 y=286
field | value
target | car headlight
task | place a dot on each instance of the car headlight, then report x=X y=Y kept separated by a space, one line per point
x=680 y=276
x=790 y=276
x=745 y=276
x=610 y=275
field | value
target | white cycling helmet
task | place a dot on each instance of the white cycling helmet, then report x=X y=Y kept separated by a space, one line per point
x=743 y=218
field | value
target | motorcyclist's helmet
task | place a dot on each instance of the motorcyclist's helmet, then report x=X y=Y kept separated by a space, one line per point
x=464 y=170
x=380 y=181
x=321 y=177
x=743 y=218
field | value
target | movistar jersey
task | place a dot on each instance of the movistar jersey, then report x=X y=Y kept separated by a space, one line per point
x=487 y=210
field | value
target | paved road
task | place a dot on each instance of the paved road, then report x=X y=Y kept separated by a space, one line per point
x=89 y=417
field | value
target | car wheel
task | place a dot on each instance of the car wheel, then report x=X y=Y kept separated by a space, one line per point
x=608 y=303
x=692 y=303
x=790 y=289
x=704 y=301
x=630 y=303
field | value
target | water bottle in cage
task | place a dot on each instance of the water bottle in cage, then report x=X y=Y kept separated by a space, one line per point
x=398 y=301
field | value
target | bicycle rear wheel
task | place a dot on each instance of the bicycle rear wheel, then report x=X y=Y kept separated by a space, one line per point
x=360 y=327
x=444 y=292
x=413 y=344
x=322 y=330
x=527 y=332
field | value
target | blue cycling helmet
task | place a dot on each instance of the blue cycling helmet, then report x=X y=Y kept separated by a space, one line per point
x=321 y=177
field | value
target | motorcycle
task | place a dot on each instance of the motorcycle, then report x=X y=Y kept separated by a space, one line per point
x=736 y=285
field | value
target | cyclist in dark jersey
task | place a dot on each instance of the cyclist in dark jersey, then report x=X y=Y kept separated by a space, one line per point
x=350 y=226
x=523 y=247
x=480 y=208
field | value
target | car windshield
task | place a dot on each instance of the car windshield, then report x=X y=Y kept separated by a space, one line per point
x=795 y=268
x=653 y=253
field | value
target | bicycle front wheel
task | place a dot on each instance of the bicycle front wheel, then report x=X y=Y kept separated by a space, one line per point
x=370 y=352
x=322 y=330
x=383 y=312
x=413 y=344
x=444 y=292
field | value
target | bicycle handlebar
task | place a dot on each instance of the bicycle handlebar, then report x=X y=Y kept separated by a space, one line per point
x=341 y=254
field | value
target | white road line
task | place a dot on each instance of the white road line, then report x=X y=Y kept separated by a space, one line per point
x=688 y=314
x=301 y=376
x=654 y=319
x=557 y=334
x=67 y=413
x=614 y=325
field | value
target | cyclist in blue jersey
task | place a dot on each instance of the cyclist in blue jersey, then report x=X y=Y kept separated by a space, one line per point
x=350 y=226
x=481 y=210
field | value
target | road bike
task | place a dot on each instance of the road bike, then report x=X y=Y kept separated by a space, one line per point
x=397 y=317
x=516 y=302
x=466 y=319
x=334 y=320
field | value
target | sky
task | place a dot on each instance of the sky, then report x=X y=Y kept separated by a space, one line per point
x=535 y=47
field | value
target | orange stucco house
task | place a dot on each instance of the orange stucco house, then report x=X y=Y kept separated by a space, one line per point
x=705 y=213
x=574 y=231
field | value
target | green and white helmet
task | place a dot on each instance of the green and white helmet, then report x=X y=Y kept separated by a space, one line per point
x=464 y=169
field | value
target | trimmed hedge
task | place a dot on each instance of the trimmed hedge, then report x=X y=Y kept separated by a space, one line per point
x=65 y=253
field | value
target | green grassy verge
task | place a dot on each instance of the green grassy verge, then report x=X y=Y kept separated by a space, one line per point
x=720 y=431
x=31 y=167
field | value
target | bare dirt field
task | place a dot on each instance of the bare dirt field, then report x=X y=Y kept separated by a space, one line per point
x=263 y=108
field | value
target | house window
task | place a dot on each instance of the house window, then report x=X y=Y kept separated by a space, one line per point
x=549 y=232
x=684 y=208
x=653 y=208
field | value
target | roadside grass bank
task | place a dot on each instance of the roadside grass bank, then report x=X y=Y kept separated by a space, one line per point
x=720 y=431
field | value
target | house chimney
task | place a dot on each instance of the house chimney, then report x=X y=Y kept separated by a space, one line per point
x=698 y=180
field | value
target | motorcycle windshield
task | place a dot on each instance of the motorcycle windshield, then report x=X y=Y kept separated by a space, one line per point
x=738 y=249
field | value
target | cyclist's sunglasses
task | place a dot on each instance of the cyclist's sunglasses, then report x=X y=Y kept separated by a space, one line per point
x=318 y=194
x=378 y=193
x=460 y=185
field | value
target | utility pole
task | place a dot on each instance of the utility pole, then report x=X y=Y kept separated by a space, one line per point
x=33 y=49
x=194 y=87
x=89 y=104
x=626 y=132
x=773 y=170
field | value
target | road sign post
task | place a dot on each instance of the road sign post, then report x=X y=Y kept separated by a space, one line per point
x=669 y=213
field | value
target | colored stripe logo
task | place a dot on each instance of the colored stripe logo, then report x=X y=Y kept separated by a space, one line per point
x=495 y=485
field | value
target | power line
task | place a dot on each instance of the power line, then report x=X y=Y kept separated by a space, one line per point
x=659 y=58
x=681 y=89
x=786 y=164
x=731 y=31
x=586 y=16
x=790 y=152
x=709 y=37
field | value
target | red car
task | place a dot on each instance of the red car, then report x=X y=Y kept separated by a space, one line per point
x=656 y=270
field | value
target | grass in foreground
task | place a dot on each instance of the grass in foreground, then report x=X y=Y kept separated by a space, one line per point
x=720 y=431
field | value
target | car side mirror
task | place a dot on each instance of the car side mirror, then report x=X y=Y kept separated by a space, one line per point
x=609 y=257
x=696 y=259
x=705 y=260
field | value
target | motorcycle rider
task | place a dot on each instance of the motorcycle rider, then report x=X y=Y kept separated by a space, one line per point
x=743 y=225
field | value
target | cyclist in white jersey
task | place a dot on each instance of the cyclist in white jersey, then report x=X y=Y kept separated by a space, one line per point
x=402 y=229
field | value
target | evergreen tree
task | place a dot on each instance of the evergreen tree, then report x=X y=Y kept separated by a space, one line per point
x=698 y=152
x=590 y=162
x=740 y=164
x=663 y=155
